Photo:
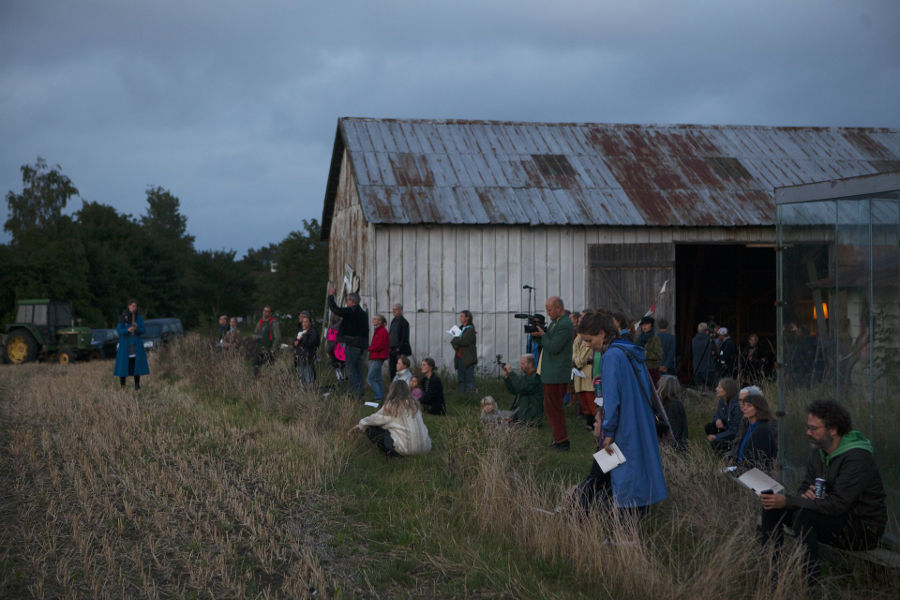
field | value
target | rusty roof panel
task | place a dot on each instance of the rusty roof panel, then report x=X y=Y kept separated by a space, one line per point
x=484 y=172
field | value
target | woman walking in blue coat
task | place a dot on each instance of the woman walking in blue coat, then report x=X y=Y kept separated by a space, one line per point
x=131 y=359
x=627 y=415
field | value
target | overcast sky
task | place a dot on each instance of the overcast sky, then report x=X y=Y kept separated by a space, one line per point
x=232 y=105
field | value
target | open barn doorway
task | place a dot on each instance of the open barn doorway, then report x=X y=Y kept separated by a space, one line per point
x=735 y=284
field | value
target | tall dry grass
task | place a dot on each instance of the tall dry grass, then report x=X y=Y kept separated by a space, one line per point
x=189 y=488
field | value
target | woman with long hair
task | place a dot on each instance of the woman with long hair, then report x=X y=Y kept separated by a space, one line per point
x=723 y=427
x=305 y=346
x=397 y=427
x=755 y=444
x=131 y=359
x=432 y=388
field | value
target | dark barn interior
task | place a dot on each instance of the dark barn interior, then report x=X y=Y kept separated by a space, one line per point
x=733 y=283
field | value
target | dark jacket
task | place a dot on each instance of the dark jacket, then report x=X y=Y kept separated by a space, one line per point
x=555 y=362
x=399 y=336
x=354 y=324
x=433 y=395
x=668 y=350
x=760 y=448
x=726 y=358
x=731 y=416
x=464 y=345
x=307 y=346
x=678 y=422
x=703 y=352
x=852 y=483
x=529 y=393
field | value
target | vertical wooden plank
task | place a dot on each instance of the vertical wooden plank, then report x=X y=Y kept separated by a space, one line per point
x=514 y=269
x=490 y=264
x=579 y=260
x=435 y=269
x=476 y=269
x=539 y=267
x=410 y=265
x=567 y=269
x=420 y=303
x=553 y=263
x=461 y=267
x=448 y=272
x=380 y=285
x=396 y=266
x=500 y=268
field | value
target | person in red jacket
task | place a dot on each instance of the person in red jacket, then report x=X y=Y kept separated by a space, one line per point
x=379 y=350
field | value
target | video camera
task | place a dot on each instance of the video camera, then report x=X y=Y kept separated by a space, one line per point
x=532 y=322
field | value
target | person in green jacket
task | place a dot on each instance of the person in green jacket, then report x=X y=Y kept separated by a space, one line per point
x=555 y=367
x=529 y=393
x=465 y=353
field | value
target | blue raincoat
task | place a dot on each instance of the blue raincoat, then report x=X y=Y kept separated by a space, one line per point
x=628 y=418
x=131 y=344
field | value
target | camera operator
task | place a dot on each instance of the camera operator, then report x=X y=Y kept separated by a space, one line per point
x=703 y=349
x=555 y=367
x=529 y=404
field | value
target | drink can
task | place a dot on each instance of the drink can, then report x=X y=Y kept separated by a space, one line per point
x=819 y=488
x=598 y=392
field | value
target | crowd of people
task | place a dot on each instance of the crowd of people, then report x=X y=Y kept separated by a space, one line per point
x=620 y=377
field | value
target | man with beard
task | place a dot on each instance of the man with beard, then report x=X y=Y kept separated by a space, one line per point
x=841 y=500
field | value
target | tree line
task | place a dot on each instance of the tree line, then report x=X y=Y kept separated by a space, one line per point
x=99 y=258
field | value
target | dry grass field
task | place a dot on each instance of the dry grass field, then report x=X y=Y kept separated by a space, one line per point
x=209 y=483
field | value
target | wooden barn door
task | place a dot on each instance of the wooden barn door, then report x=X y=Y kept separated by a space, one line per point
x=627 y=277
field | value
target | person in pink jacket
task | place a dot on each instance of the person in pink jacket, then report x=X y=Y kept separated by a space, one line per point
x=379 y=350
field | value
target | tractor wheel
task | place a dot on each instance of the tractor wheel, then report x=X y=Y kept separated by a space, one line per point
x=21 y=347
x=64 y=357
x=94 y=355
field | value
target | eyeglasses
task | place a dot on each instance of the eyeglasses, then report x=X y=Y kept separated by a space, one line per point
x=813 y=427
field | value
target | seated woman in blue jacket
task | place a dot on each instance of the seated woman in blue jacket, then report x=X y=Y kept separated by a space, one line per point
x=755 y=444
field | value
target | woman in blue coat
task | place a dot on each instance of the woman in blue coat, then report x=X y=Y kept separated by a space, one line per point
x=627 y=416
x=131 y=359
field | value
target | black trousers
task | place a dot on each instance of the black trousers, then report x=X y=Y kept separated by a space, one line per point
x=811 y=527
x=393 y=354
x=382 y=438
x=137 y=378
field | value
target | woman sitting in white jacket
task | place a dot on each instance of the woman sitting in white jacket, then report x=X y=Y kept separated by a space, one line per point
x=397 y=427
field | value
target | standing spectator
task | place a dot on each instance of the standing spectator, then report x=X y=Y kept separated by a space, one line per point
x=529 y=404
x=267 y=335
x=305 y=346
x=465 y=353
x=397 y=427
x=233 y=335
x=627 y=415
x=670 y=395
x=583 y=360
x=131 y=359
x=722 y=429
x=754 y=360
x=555 y=367
x=667 y=367
x=652 y=347
x=726 y=356
x=354 y=334
x=378 y=353
x=223 y=329
x=703 y=352
x=399 y=338
x=432 y=389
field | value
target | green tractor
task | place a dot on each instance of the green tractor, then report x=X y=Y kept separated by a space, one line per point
x=45 y=328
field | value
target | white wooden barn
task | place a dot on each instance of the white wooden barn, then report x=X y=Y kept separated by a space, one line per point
x=443 y=216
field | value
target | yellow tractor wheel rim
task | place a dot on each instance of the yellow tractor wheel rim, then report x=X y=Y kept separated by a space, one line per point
x=64 y=358
x=16 y=350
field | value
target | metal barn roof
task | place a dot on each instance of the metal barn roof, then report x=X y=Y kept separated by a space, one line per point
x=489 y=172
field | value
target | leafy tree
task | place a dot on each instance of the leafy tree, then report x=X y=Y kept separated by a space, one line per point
x=45 y=193
x=219 y=285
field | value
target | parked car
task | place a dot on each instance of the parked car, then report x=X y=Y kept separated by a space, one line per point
x=161 y=331
x=104 y=343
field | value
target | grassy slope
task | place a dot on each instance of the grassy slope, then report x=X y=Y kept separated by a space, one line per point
x=209 y=484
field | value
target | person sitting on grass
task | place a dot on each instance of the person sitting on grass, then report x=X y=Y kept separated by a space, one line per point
x=432 y=389
x=850 y=511
x=490 y=412
x=397 y=427
x=529 y=392
x=402 y=372
x=669 y=391
x=721 y=430
x=755 y=444
x=415 y=389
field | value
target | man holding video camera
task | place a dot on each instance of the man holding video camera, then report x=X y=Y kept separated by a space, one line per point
x=555 y=367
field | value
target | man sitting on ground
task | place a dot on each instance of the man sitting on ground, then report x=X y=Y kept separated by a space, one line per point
x=529 y=392
x=851 y=511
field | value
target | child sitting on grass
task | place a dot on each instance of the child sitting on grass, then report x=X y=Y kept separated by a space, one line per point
x=397 y=427
x=490 y=412
x=414 y=388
